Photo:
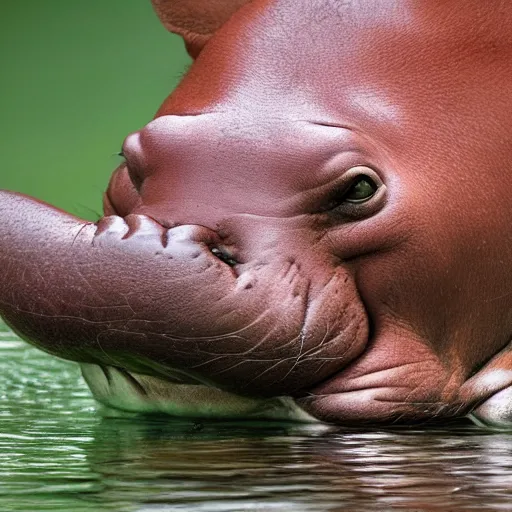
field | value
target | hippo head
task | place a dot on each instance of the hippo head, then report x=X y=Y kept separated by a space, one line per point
x=316 y=224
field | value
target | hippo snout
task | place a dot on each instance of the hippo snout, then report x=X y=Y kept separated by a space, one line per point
x=133 y=294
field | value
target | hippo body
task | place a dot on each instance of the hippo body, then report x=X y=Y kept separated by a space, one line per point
x=315 y=225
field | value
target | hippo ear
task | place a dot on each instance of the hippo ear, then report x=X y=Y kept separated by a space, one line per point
x=195 y=20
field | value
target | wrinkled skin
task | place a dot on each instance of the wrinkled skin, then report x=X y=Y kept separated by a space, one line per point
x=230 y=256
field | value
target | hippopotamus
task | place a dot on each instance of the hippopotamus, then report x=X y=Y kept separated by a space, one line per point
x=315 y=226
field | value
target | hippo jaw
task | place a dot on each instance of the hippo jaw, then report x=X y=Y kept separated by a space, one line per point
x=135 y=393
x=130 y=392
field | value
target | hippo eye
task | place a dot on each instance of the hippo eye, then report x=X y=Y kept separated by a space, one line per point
x=362 y=189
x=359 y=192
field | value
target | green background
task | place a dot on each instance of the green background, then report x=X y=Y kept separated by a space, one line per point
x=75 y=79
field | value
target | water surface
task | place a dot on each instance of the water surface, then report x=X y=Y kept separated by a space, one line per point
x=60 y=452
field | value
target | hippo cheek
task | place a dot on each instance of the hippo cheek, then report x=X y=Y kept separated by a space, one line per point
x=167 y=303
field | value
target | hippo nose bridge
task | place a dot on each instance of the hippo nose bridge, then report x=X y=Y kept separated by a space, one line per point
x=190 y=149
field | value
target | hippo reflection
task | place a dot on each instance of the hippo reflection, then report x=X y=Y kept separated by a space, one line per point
x=316 y=224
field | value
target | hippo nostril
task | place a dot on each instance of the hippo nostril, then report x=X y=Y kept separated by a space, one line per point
x=223 y=256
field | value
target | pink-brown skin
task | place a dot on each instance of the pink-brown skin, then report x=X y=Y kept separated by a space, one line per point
x=398 y=309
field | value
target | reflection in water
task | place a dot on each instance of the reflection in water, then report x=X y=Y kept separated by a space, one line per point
x=57 y=452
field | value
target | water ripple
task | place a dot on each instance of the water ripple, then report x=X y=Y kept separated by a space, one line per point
x=57 y=452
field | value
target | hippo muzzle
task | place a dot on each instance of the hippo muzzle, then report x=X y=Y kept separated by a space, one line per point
x=171 y=303
x=315 y=225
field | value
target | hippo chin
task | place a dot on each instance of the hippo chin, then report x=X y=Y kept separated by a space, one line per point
x=315 y=226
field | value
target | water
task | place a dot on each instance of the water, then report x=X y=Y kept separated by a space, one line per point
x=59 y=451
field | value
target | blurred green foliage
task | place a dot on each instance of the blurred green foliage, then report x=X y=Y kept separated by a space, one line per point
x=76 y=78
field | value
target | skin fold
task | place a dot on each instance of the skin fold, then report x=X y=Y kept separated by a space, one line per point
x=315 y=225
